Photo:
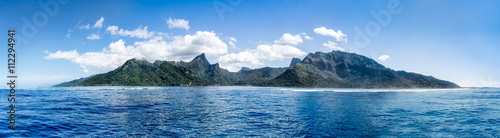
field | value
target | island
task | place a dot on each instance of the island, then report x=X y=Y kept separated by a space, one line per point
x=335 y=69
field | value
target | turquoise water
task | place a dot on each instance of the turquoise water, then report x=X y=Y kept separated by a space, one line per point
x=253 y=111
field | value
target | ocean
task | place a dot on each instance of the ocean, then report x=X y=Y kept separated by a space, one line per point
x=235 y=111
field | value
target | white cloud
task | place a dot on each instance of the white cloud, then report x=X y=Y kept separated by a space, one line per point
x=333 y=46
x=254 y=57
x=184 y=47
x=290 y=39
x=383 y=57
x=232 y=41
x=63 y=55
x=86 y=70
x=233 y=62
x=180 y=48
x=306 y=36
x=113 y=30
x=93 y=36
x=202 y=42
x=338 y=35
x=277 y=52
x=139 y=32
x=178 y=23
x=84 y=27
x=98 y=23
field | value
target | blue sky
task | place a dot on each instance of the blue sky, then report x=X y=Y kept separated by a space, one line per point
x=450 y=40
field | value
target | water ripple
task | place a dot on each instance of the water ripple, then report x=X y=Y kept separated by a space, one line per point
x=254 y=112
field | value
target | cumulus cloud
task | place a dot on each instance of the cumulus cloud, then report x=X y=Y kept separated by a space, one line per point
x=93 y=36
x=254 y=57
x=277 y=52
x=233 y=62
x=178 y=23
x=180 y=48
x=138 y=33
x=290 y=39
x=333 y=46
x=265 y=52
x=201 y=42
x=338 y=35
x=113 y=30
x=98 y=23
x=383 y=57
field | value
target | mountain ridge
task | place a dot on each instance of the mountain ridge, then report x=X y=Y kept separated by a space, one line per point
x=142 y=73
x=334 y=69
x=349 y=70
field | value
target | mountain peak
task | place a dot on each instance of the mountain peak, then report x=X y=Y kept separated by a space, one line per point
x=136 y=61
x=349 y=70
x=201 y=60
x=244 y=69
x=294 y=61
x=130 y=61
x=202 y=55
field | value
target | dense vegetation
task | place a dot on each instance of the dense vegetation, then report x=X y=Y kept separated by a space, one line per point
x=198 y=72
x=348 y=70
x=252 y=77
x=211 y=72
x=334 y=69
x=143 y=73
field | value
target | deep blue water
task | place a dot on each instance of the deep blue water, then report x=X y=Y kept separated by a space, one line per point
x=252 y=111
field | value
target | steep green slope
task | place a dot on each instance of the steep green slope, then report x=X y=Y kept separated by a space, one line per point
x=211 y=72
x=294 y=61
x=143 y=73
x=75 y=82
x=348 y=70
x=334 y=69
x=220 y=76
x=251 y=77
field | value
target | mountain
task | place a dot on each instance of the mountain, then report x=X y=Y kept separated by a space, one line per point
x=211 y=72
x=71 y=83
x=160 y=73
x=251 y=77
x=142 y=73
x=348 y=70
x=294 y=61
x=335 y=69
x=244 y=69
x=220 y=76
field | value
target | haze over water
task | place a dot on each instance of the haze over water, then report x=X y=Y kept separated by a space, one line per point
x=254 y=111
